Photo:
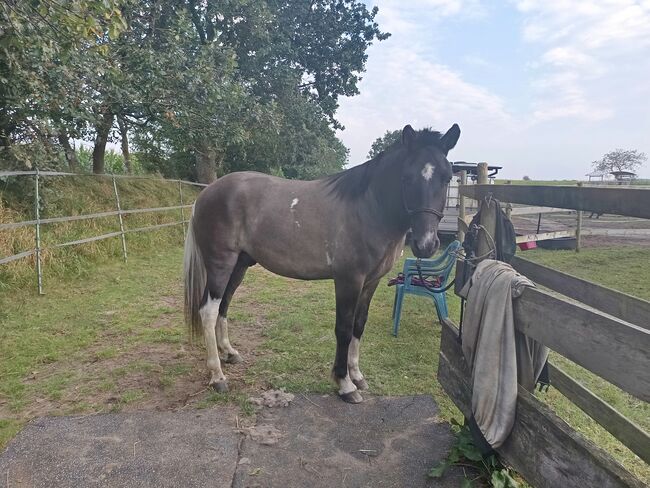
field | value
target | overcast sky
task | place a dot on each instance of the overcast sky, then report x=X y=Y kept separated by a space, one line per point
x=540 y=87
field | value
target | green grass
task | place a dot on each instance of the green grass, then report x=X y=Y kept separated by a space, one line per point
x=301 y=339
x=624 y=268
x=105 y=311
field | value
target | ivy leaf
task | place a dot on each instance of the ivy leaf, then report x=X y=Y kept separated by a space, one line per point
x=466 y=483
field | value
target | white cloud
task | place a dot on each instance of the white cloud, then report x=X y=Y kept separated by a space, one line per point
x=405 y=85
x=586 y=44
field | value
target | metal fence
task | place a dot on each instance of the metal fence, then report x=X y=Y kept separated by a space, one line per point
x=37 y=222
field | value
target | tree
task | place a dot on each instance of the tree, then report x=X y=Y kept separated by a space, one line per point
x=39 y=67
x=620 y=160
x=384 y=142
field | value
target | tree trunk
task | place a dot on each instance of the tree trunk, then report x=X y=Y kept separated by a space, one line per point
x=124 y=138
x=68 y=150
x=206 y=162
x=103 y=129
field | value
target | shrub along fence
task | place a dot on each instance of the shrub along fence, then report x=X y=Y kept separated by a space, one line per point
x=603 y=330
x=37 y=222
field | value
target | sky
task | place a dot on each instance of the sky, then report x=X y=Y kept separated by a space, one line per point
x=540 y=87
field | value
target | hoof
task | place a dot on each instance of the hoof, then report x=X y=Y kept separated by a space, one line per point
x=233 y=359
x=352 y=397
x=361 y=384
x=220 y=386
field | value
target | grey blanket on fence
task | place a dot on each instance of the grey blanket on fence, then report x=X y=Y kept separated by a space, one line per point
x=498 y=356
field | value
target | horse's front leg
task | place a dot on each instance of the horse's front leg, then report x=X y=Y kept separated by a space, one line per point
x=348 y=292
x=361 y=316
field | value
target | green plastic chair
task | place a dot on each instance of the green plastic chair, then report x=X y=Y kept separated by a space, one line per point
x=438 y=268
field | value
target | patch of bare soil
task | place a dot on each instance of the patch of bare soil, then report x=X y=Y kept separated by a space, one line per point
x=136 y=375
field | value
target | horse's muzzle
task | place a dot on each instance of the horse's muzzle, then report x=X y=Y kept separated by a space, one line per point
x=425 y=246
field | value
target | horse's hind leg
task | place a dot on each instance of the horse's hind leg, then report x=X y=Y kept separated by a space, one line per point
x=360 y=318
x=219 y=269
x=227 y=352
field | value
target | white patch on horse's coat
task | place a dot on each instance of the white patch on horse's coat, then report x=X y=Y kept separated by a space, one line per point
x=223 y=341
x=353 y=360
x=209 y=314
x=328 y=257
x=427 y=171
x=294 y=202
x=346 y=385
x=429 y=237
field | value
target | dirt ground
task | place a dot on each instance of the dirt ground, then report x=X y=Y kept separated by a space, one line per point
x=142 y=376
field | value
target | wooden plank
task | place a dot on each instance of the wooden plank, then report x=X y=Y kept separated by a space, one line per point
x=611 y=419
x=621 y=305
x=615 y=350
x=632 y=202
x=544 y=236
x=543 y=448
x=536 y=210
x=462 y=226
x=616 y=232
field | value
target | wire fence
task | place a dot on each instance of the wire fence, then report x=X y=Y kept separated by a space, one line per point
x=37 y=222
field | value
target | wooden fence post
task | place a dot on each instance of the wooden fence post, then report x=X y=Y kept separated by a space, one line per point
x=180 y=192
x=37 y=216
x=119 y=216
x=461 y=203
x=488 y=216
x=578 y=225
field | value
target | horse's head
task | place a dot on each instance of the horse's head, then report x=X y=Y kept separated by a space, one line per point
x=426 y=174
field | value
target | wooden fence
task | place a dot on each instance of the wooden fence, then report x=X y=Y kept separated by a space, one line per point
x=119 y=212
x=603 y=330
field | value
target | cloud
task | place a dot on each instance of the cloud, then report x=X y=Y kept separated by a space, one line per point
x=585 y=45
x=405 y=84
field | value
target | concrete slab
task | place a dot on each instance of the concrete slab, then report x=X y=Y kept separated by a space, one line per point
x=324 y=442
x=162 y=449
x=318 y=441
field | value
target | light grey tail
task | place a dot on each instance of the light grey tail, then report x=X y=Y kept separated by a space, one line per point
x=195 y=282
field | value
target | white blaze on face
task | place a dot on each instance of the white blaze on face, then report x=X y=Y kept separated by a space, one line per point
x=427 y=171
x=294 y=202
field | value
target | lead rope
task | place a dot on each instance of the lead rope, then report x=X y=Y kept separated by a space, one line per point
x=418 y=266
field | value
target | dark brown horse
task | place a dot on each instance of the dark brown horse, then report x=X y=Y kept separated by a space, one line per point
x=349 y=227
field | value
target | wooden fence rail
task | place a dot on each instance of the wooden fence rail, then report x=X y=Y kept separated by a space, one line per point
x=603 y=330
x=631 y=202
x=37 y=222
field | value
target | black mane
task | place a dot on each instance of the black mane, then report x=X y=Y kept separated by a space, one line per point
x=352 y=183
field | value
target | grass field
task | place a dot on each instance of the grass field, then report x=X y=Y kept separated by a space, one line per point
x=110 y=338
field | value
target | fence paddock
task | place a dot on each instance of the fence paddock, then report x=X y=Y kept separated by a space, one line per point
x=119 y=216
x=603 y=330
x=38 y=221
x=37 y=216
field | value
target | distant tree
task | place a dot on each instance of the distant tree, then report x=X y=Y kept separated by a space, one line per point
x=384 y=142
x=620 y=160
x=526 y=178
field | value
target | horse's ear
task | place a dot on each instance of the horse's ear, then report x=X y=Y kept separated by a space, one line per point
x=450 y=139
x=408 y=136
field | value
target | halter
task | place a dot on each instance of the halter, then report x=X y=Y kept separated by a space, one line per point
x=415 y=211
